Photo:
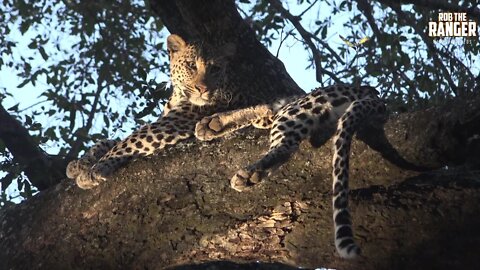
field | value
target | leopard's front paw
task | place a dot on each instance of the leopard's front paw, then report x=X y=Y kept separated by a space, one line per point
x=86 y=181
x=73 y=169
x=78 y=167
x=209 y=128
x=246 y=179
x=90 y=179
x=99 y=173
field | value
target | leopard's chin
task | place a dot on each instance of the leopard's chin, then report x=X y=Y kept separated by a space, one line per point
x=209 y=98
x=199 y=101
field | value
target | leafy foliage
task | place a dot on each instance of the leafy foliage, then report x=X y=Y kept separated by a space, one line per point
x=411 y=69
x=99 y=62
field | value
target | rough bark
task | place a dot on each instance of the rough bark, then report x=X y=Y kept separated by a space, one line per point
x=178 y=209
x=42 y=170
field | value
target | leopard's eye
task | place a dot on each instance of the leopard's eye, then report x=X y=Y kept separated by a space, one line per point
x=192 y=65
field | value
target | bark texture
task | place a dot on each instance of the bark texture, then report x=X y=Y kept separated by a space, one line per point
x=177 y=209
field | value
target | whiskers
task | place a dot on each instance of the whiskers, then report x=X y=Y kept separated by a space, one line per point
x=222 y=97
x=189 y=90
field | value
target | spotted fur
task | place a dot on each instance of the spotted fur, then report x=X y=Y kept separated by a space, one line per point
x=325 y=112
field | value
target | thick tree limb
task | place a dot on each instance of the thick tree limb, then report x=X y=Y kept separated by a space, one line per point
x=178 y=208
x=40 y=168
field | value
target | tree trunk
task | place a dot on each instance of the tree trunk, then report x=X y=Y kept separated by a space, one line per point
x=217 y=22
x=178 y=209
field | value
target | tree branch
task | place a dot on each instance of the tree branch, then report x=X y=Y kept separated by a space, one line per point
x=82 y=132
x=178 y=208
x=472 y=11
x=307 y=37
x=308 y=8
x=40 y=168
x=366 y=9
x=430 y=45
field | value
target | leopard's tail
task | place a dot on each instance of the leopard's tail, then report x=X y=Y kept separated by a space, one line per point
x=355 y=114
x=344 y=242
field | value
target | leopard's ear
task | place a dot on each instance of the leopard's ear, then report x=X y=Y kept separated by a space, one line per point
x=175 y=43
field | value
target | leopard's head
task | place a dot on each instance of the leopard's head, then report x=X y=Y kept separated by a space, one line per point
x=198 y=73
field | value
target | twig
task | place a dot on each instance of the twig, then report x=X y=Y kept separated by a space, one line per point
x=308 y=8
x=437 y=4
x=413 y=23
x=33 y=105
x=76 y=146
x=307 y=39
x=282 y=40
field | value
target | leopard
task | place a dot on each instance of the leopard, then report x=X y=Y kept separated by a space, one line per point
x=335 y=111
x=202 y=85
x=198 y=78
x=204 y=105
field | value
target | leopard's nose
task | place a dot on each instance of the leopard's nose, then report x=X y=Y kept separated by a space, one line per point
x=201 y=88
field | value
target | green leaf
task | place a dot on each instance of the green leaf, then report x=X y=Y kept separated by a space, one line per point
x=14 y=108
x=28 y=120
x=20 y=183
x=72 y=115
x=43 y=53
x=33 y=44
x=324 y=32
x=106 y=120
x=23 y=83
x=24 y=26
x=28 y=190
x=142 y=73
